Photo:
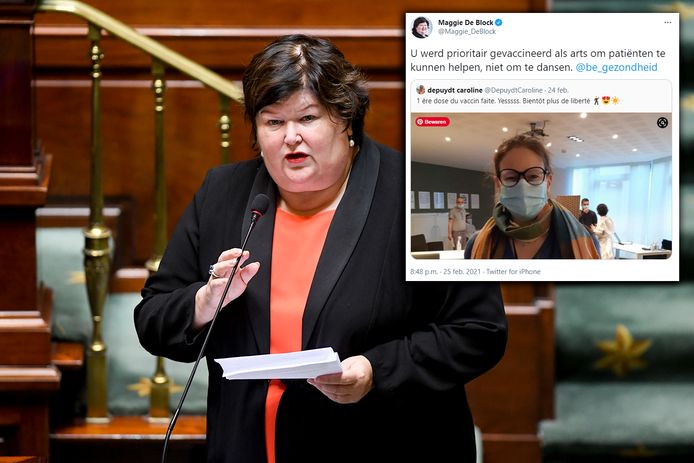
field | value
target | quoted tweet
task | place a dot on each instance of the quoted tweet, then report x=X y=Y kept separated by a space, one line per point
x=542 y=146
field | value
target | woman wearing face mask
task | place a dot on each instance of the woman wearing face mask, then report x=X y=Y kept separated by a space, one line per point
x=525 y=223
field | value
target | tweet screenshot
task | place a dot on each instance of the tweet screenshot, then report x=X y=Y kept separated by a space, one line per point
x=542 y=146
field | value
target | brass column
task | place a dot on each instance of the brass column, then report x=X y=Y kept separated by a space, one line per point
x=97 y=263
x=159 y=393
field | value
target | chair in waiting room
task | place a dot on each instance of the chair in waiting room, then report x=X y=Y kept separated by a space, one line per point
x=435 y=246
x=418 y=243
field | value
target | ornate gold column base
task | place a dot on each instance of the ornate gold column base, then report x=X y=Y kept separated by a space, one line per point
x=97 y=390
x=159 y=410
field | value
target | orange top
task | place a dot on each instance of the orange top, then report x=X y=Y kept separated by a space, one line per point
x=296 y=246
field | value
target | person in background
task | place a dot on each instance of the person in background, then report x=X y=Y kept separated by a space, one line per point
x=420 y=28
x=526 y=223
x=457 y=226
x=327 y=271
x=586 y=216
x=604 y=230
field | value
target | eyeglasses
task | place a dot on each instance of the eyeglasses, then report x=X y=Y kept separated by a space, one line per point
x=511 y=177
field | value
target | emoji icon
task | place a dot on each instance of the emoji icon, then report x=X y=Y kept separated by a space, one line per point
x=606 y=100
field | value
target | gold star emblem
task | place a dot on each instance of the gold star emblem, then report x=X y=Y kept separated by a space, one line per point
x=688 y=102
x=144 y=387
x=76 y=278
x=623 y=353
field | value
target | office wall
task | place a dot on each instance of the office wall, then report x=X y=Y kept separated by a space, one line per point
x=561 y=182
x=432 y=178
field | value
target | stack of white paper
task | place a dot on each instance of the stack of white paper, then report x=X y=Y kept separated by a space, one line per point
x=291 y=365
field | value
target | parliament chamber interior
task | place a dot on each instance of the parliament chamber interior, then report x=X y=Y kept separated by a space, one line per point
x=110 y=115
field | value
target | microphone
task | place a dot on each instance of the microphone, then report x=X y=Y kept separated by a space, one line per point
x=259 y=206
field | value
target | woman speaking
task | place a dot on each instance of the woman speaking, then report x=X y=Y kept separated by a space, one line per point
x=327 y=270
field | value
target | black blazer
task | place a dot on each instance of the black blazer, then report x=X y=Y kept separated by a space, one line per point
x=424 y=341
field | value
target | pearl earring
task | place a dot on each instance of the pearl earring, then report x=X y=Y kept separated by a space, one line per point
x=262 y=155
x=351 y=141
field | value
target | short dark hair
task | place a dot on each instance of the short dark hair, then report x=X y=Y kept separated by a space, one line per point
x=419 y=21
x=295 y=62
x=522 y=141
x=585 y=199
x=602 y=209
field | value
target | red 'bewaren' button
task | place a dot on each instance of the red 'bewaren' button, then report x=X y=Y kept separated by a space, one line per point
x=431 y=121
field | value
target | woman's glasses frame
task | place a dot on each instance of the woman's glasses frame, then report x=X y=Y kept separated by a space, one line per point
x=532 y=175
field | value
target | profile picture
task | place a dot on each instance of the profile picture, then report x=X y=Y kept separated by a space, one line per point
x=420 y=89
x=421 y=28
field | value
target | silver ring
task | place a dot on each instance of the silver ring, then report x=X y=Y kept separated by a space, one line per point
x=211 y=272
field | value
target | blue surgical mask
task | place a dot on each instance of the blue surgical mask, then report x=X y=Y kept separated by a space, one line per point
x=523 y=200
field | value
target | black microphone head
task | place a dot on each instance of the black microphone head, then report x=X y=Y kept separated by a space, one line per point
x=260 y=204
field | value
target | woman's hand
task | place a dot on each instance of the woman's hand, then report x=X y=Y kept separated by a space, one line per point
x=207 y=297
x=350 y=386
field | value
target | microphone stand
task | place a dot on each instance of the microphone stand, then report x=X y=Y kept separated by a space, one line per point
x=254 y=219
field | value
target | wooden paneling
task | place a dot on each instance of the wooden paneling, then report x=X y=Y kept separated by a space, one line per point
x=192 y=142
x=129 y=438
x=25 y=427
x=191 y=428
x=571 y=202
x=24 y=409
x=18 y=257
x=20 y=460
x=503 y=448
x=23 y=183
x=25 y=334
x=68 y=355
x=525 y=293
x=509 y=401
x=26 y=379
x=226 y=51
x=280 y=13
x=16 y=61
